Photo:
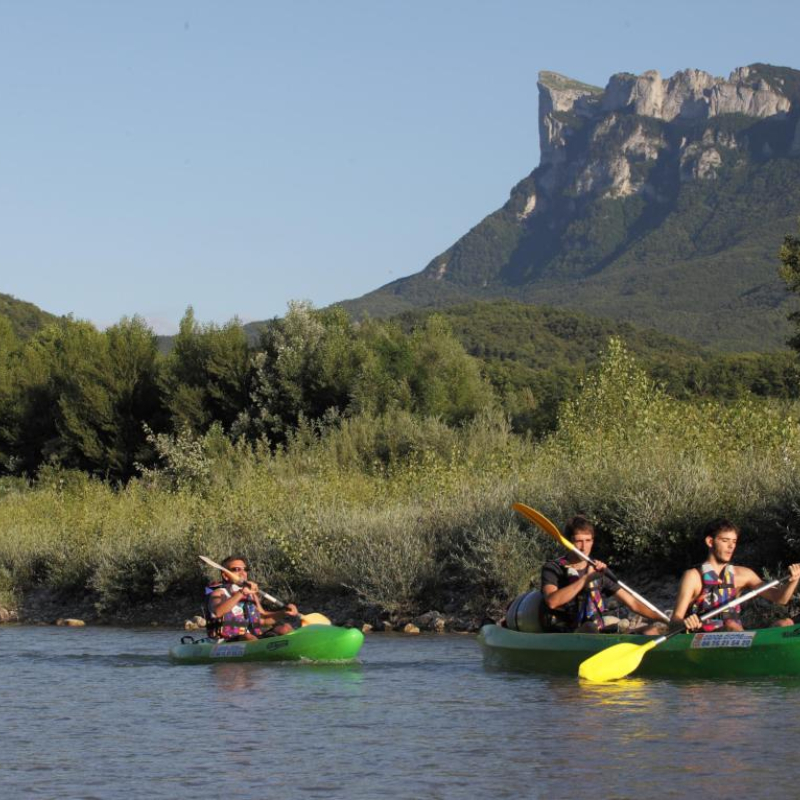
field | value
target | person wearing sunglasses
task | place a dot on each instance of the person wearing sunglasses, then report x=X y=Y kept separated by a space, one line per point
x=234 y=612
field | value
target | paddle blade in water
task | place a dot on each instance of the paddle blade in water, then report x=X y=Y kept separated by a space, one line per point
x=614 y=662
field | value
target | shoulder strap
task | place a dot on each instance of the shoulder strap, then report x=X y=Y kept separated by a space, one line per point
x=728 y=576
x=706 y=568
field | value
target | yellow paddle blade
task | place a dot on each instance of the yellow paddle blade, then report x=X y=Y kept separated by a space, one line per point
x=614 y=662
x=537 y=518
x=314 y=618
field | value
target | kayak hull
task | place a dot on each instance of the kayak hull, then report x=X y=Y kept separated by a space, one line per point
x=309 y=643
x=761 y=653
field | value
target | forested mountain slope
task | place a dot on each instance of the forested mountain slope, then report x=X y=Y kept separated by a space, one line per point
x=25 y=318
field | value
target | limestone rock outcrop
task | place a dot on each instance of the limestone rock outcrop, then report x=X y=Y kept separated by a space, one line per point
x=693 y=94
x=602 y=142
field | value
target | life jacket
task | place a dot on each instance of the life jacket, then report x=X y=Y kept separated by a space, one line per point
x=717 y=590
x=588 y=606
x=244 y=617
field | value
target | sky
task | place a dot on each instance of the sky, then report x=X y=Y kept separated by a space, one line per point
x=235 y=156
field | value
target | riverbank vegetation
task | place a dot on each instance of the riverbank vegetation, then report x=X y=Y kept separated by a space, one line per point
x=356 y=460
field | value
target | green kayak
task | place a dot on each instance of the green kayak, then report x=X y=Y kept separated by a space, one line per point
x=761 y=653
x=311 y=643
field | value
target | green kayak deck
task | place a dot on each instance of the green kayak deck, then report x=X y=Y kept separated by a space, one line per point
x=311 y=643
x=765 y=652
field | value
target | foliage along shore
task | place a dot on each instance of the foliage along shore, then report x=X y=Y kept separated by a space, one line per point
x=393 y=514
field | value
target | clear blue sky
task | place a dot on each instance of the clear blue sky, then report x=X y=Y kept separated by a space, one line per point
x=234 y=156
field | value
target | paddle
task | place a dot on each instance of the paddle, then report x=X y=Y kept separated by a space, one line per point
x=308 y=619
x=532 y=515
x=622 y=659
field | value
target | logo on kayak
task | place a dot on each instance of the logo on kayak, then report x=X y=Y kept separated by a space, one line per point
x=727 y=639
x=793 y=632
x=277 y=645
x=227 y=650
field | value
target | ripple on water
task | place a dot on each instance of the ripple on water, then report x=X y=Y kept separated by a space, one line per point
x=103 y=713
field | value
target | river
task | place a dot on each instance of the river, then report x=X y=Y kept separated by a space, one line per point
x=102 y=713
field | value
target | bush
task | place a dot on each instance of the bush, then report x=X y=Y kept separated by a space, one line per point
x=407 y=512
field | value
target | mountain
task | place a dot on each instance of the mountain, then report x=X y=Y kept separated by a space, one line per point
x=25 y=318
x=661 y=202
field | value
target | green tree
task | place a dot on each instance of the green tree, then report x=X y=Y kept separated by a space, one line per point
x=790 y=272
x=205 y=377
x=131 y=385
x=315 y=364
x=306 y=367
x=34 y=433
x=9 y=347
x=383 y=381
x=445 y=381
x=426 y=371
x=83 y=397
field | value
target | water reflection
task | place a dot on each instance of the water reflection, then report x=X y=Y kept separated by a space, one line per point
x=233 y=680
x=235 y=685
x=625 y=692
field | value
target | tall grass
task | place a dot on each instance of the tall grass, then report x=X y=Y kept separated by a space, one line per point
x=407 y=513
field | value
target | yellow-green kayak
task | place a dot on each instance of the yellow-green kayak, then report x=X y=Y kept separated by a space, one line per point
x=310 y=643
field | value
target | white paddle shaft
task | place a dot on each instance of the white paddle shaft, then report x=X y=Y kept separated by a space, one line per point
x=613 y=577
x=730 y=604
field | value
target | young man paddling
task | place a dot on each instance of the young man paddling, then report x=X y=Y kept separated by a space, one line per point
x=717 y=581
x=235 y=612
x=574 y=591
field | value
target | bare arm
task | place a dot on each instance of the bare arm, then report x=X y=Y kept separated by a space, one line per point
x=271 y=617
x=747 y=579
x=688 y=591
x=220 y=605
x=555 y=597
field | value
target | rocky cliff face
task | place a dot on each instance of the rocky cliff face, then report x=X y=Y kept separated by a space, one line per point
x=657 y=200
x=592 y=139
x=694 y=94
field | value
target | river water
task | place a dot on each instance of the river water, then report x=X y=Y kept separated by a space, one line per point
x=102 y=713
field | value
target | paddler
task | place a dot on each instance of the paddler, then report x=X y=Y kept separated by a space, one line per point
x=717 y=581
x=234 y=610
x=574 y=591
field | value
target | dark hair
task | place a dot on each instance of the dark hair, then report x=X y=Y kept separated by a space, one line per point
x=229 y=559
x=717 y=526
x=576 y=524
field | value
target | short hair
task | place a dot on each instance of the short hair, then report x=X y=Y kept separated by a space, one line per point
x=229 y=559
x=717 y=526
x=577 y=524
